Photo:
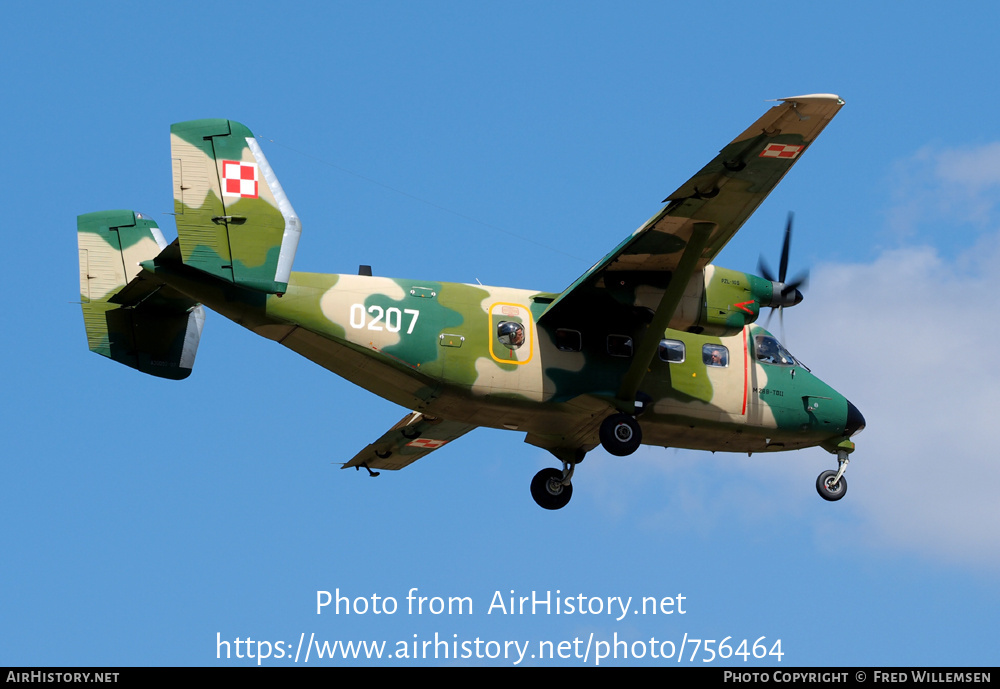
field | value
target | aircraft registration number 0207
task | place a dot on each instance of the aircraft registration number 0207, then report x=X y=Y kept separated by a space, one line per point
x=377 y=318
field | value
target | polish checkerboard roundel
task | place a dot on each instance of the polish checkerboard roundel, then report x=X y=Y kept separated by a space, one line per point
x=427 y=443
x=239 y=179
x=786 y=151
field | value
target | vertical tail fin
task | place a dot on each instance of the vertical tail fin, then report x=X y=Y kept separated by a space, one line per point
x=129 y=318
x=233 y=218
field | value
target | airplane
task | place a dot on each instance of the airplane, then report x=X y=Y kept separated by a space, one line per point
x=652 y=345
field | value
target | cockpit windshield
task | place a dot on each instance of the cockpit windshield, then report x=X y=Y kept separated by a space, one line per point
x=770 y=351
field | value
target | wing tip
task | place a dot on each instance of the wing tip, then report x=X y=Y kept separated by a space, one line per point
x=813 y=98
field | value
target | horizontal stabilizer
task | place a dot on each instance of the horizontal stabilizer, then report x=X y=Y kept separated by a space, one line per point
x=128 y=317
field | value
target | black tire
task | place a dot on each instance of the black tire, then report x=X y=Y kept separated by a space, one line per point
x=828 y=491
x=548 y=495
x=620 y=435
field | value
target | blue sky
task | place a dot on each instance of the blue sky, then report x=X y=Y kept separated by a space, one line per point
x=515 y=145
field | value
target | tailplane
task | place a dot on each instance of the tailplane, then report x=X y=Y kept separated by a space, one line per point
x=129 y=318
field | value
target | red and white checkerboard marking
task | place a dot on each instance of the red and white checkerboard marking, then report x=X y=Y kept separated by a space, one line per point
x=786 y=151
x=427 y=443
x=239 y=179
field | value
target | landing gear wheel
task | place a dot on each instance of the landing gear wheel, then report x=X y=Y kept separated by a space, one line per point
x=620 y=435
x=827 y=489
x=548 y=491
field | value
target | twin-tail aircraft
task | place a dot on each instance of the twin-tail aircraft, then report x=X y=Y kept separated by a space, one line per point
x=652 y=345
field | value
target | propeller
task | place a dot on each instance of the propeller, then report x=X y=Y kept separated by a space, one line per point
x=784 y=293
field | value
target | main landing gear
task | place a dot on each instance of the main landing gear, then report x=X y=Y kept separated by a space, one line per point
x=831 y=485
x=552 y=488
x=620 y=435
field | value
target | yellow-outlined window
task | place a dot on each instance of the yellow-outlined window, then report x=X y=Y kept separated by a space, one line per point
x=511 y=313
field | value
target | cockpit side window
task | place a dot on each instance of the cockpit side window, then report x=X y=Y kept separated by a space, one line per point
x=770 y=351
x=568 y=340
x=620 y=345
x=672 y=351
x=715 y=355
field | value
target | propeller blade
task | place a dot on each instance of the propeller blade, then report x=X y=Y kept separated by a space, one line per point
x=790 y=293
x=764 y=269
x=801 y=281
x=783 y=269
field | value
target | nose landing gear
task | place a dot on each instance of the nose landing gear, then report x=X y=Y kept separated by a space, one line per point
x=831 y=485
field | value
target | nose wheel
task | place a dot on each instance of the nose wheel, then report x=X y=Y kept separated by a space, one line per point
x=831 y=485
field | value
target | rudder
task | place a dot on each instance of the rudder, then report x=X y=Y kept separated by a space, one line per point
x=233 y=218
x=129 y=318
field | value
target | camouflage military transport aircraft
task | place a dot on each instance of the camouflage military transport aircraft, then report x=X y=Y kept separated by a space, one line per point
x=652 y=345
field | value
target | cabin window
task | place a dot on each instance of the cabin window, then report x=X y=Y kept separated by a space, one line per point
x=568 y=340
x=672 y=351
x=715 y=355
x=770 y=351
x=620 y=345
x=511 y=335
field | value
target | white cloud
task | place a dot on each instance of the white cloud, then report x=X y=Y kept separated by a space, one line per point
x=911 y=340
x=972 y=169
x=941 y=188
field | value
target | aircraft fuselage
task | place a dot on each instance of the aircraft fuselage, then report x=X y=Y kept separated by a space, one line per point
x=434 y=347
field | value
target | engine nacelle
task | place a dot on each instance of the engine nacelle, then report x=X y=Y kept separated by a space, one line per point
x=720 y=302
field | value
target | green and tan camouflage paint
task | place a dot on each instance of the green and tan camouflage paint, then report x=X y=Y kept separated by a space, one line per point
x=434 y=347
x=143 y=326
x=238 y=234
x=453 y=343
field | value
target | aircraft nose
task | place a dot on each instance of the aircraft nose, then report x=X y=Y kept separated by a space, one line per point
x=855 y=421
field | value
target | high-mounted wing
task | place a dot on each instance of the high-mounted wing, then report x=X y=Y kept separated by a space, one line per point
x=715 y=202
x=412 y=438
x=699 y=219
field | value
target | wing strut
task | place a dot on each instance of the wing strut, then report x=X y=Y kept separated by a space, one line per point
x=701 y=232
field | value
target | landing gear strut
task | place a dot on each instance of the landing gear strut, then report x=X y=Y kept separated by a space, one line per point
x=620 y=435
x=831 y=485
x=551 y=488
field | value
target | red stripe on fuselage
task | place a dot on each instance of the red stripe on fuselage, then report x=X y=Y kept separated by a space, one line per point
x=746 y=363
